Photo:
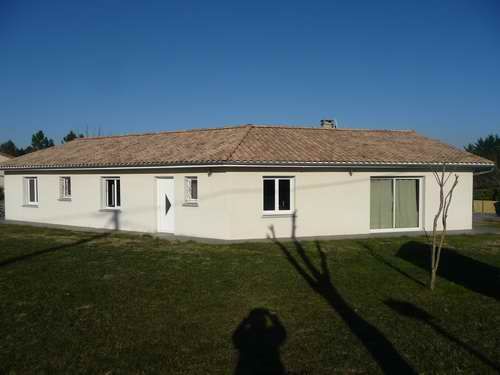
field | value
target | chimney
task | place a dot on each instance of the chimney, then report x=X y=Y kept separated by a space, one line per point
x=328 y=124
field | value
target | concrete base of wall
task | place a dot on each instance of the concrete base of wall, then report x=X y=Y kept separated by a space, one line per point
x=216 y=241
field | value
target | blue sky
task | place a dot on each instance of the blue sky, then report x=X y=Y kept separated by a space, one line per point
x=142 y=66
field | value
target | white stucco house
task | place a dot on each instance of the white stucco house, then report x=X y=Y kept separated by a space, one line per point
x=233 y=183
x=3 y=157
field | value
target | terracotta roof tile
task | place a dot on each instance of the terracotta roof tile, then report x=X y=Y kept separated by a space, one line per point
x=250 y=144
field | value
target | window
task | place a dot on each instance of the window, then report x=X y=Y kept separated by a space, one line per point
x=394 y=203
x=191 y=189
x=31 y=190
x=65 y=188
x=278 y=195
x=112 y=194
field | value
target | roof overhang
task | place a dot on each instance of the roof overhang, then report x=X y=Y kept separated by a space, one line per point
x=332 y=165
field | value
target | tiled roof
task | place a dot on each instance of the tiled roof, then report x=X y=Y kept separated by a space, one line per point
x=250 y=144
x=5 y=156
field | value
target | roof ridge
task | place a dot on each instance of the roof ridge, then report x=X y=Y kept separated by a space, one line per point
x=243 y=126
x=249 y=127
x=331 y=129
x=164 y=132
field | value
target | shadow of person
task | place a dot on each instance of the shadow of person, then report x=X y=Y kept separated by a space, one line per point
x=258 y=339
x=460 y=269
x=319 y=280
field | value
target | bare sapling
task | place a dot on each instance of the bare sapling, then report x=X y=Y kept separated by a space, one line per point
x=442 y=212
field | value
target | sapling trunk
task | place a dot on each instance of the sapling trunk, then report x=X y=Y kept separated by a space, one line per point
x=444 y=205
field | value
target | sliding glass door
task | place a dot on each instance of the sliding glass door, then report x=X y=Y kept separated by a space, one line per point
x=394 y=203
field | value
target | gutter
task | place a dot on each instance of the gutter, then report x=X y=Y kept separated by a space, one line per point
x=258 y=165
x=485 y=172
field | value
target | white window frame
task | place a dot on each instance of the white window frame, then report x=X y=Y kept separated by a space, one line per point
x=115 y=195
x=420 y=204
x=27 y=198
x=188 y=198
x=277 y=211
x=63 y=186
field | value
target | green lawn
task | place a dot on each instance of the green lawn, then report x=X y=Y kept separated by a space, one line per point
x=489 y=223
x=80 y=302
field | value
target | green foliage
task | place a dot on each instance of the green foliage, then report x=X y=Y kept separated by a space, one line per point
x=39 y=141
x=71 y=136
x=488 y=147
x=492 y=194
x=8 y=148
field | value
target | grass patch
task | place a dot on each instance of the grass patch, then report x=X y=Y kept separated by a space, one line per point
x=84 y=302
x=489 y=223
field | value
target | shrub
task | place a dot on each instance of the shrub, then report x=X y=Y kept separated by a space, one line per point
x=497 y=208
x=490 y=194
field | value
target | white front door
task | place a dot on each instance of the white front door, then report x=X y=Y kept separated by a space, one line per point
x=165 y=206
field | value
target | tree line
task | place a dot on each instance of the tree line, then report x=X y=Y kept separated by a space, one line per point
x=39 y=141
x=487 y=186
x=488 y=147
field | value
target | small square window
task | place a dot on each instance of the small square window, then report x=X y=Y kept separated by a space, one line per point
x=191 y=189
x=65 y=188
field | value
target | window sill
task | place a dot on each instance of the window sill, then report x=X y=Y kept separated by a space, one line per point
x=190 y=204
x=278 y=214
x=110 y=209
x=31 y=205
x=64 y=199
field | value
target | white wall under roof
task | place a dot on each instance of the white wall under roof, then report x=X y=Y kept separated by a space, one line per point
x=333 y=203
x=230 y=202
x=2 y=158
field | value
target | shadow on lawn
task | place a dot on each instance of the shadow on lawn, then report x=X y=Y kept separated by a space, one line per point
x=409 y=310
x=115 y=219
x=9 y=261
x=455 y=267
x=380 y=348
x=258 y=339
x=382 y=260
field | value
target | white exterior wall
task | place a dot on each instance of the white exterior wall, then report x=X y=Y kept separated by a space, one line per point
x=230 y=203
x=333 y=203
x=138 y=202
x=2 y=158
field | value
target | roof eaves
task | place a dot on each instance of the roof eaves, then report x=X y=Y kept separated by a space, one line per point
x=209 y=163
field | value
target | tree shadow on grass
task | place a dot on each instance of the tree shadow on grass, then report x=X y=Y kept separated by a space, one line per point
x=258 y=339
x=384 y=261
x=460 y=269
x=380 y=348
x=10 y=261
x=115 y=220
x=409 y=310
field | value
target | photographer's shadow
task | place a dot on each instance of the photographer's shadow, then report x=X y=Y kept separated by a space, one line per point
x=258 y=339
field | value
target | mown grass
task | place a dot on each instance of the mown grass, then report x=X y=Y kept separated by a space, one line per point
x=75 y=302
x=489 y=223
